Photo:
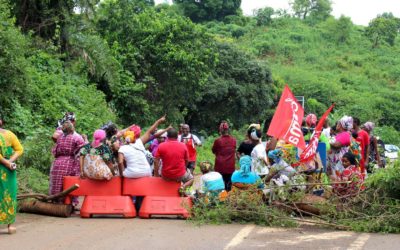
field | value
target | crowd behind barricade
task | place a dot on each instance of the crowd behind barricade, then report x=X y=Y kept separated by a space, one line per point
x=172 y=155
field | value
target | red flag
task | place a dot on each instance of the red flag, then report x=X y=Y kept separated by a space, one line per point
x=286 y=123
x=311 y=149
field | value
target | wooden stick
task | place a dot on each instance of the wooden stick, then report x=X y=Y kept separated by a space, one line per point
x=61 y=194
x=43 y=197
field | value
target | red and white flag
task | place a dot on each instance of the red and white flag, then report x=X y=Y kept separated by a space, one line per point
x=286 y=123
x=311 y=149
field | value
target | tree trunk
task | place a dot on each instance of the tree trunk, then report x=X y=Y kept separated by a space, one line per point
x=45 y=208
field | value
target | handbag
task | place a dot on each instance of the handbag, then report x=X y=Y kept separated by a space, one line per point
x=94 y=167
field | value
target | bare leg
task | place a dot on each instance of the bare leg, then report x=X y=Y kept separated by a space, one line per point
x=11 y=229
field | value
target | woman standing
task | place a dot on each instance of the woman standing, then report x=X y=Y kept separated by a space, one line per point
x=10 y=150
x=224 y=149
x=66 y=162
x=340 y=144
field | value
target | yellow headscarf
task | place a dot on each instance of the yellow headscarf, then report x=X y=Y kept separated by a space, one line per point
x=129 y=136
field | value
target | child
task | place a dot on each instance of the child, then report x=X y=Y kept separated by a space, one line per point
x=350 y=173
x=211 y=182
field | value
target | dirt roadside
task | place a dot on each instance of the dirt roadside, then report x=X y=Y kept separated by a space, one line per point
x=41 y=232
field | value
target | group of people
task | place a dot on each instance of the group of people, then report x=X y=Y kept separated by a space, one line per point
x=168 y=153
x=172 y=155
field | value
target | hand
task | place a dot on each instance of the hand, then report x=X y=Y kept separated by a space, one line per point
x=83 y=176
x=85 y=137
x=162 y=119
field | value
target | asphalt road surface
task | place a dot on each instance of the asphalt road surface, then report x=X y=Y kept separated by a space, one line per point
x=41 y=232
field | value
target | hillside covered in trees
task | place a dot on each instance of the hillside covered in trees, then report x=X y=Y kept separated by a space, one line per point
x=130 y=61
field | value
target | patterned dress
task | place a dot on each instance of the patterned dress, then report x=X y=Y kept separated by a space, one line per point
x=353 y=174
x=66 y=163
x=9 y=144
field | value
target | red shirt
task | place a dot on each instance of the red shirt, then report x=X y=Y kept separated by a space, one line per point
x=174 y=155
x=363 y=139
x=224 y=149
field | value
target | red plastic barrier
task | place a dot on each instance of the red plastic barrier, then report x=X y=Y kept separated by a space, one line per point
x=108 y=205
x=92 y=187
x=150 y=186
x=161 y=205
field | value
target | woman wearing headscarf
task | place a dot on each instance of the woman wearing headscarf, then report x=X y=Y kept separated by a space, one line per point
x=134 y=155
x=10 y=150
x=224 y=149
x=96 y=158
x=244 y=177
x=340 y=144
x=258 y=154
x=65 y=152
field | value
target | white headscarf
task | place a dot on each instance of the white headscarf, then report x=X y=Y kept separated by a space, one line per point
x=346 y=122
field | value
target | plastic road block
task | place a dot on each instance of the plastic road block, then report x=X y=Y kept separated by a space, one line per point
x=150 y=186
x=161 y=205
x=108 y=205
x=92 y=187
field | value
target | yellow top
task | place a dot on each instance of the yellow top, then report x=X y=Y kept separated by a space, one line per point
x=11 y=140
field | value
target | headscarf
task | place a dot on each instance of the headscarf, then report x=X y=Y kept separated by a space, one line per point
x=137 y=130
x=110 y=128
x=69 y=116
x=311 y=120
x=255 y=134
x=98 y=136
x=205 y=166
x=245 y=165
x=185 y=126
x=346 y=122
x=369 y=126
x=224 y=126
x=67 y=128
x=129 y=136
x=275 y=155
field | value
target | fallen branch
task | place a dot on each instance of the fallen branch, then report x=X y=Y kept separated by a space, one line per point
x=43 y=197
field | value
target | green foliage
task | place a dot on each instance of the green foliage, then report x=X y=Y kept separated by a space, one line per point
x=264 y=16
x=387 y=180
x=388 y=134
x=317 y=9
x=208 y=10
x=31 y=180
x=245 y=206
x=239 y=85
x=383 y=28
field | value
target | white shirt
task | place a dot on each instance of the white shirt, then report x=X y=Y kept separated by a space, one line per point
x=258 y=158
x=136 y=163
x=195 y=139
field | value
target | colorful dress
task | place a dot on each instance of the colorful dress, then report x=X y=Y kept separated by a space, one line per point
x=353 y=174
x=66 y=163
x=9 y=144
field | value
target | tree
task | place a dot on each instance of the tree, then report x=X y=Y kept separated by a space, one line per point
x=207 y=10
x=318 y=9
x=264 y=16
x=383 y=28
x=167 y=55
x=339 y=30
x=239 y=89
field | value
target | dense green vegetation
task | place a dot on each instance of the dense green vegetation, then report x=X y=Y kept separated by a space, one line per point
x=199 y=62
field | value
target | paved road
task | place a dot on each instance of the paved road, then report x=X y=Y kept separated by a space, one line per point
x=40 y=232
